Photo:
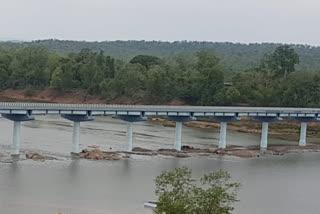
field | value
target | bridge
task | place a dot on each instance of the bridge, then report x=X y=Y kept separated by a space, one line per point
x=19 y=112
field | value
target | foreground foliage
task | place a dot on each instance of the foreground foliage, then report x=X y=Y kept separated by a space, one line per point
x=179 y=193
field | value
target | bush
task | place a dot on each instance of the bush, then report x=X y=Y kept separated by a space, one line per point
x=178 y=193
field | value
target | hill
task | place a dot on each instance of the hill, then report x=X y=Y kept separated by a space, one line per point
x=235 y=56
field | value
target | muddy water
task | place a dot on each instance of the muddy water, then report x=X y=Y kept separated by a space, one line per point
x=284 y=184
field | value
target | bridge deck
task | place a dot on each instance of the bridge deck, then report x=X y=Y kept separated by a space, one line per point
x=100 y=109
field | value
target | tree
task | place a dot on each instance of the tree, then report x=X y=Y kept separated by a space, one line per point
x=179 y=193
x=210 y=77
x=300 y=89
x=283 y=61
x=146 y=60
x=157 y=84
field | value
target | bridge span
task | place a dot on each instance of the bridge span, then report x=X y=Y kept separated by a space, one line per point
x=19 y=112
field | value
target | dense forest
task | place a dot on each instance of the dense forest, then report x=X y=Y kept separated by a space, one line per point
x=235 y=56
x=197 y=76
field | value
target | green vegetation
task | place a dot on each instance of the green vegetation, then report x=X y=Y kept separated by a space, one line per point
x=235 y=56
x=197 y=78
x=178 y=193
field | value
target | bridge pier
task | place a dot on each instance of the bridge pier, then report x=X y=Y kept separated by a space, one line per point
x=130 y=119
x=223 y=127
x=265 y=126
x=223 y=135
x=303 y=134
x=179 y=120
x=76 y=137
x=16 y=137
x=177 y=143
x=264 y=136
x=303 y=129
x=15 y=149
x=129 y=136
x=76 y=118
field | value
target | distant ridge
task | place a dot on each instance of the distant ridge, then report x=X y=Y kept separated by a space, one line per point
x=237 y=56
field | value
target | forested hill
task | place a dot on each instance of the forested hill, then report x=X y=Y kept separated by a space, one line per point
x=235 y=56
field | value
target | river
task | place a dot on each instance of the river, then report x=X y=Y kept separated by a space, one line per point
x=270 y=184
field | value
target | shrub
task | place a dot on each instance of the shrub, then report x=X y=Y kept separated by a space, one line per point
x=179 y=193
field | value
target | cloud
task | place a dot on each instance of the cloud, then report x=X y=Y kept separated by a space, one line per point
x=229 y=20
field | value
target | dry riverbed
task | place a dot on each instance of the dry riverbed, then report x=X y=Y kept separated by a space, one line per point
x=285 y=129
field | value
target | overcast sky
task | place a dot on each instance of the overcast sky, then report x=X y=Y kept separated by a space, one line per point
x=286 y=21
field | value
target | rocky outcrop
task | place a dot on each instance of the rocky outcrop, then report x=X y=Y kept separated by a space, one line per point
x=97 y=154
x=36 y=156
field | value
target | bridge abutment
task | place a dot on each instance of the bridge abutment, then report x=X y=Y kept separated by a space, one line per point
x=76 y=128
x=130 y=119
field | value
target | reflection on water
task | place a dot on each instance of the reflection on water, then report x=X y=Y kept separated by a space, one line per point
x=283 y=184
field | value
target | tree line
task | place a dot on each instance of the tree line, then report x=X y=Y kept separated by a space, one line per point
x=236 y=56
x=197 y=79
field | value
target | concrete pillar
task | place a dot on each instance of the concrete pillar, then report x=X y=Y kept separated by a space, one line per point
x=264 y=136
x=75 y=137
x=303 y=134
x=15 y=149
x=177 y=144
x=223 y=134
x=129 y=136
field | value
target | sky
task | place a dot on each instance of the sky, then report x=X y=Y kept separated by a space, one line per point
x=245 y=21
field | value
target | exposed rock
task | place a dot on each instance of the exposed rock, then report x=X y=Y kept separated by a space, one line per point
x=139 y=149
x=187 y=151
x=181 y=155
x=36 y=156
x=186 y=147
x=169 y=124
x=167 y=150
x=93 y=146
x=243 y=153
x=97 y=154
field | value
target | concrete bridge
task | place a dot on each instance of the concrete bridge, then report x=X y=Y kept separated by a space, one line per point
x=18 y=112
